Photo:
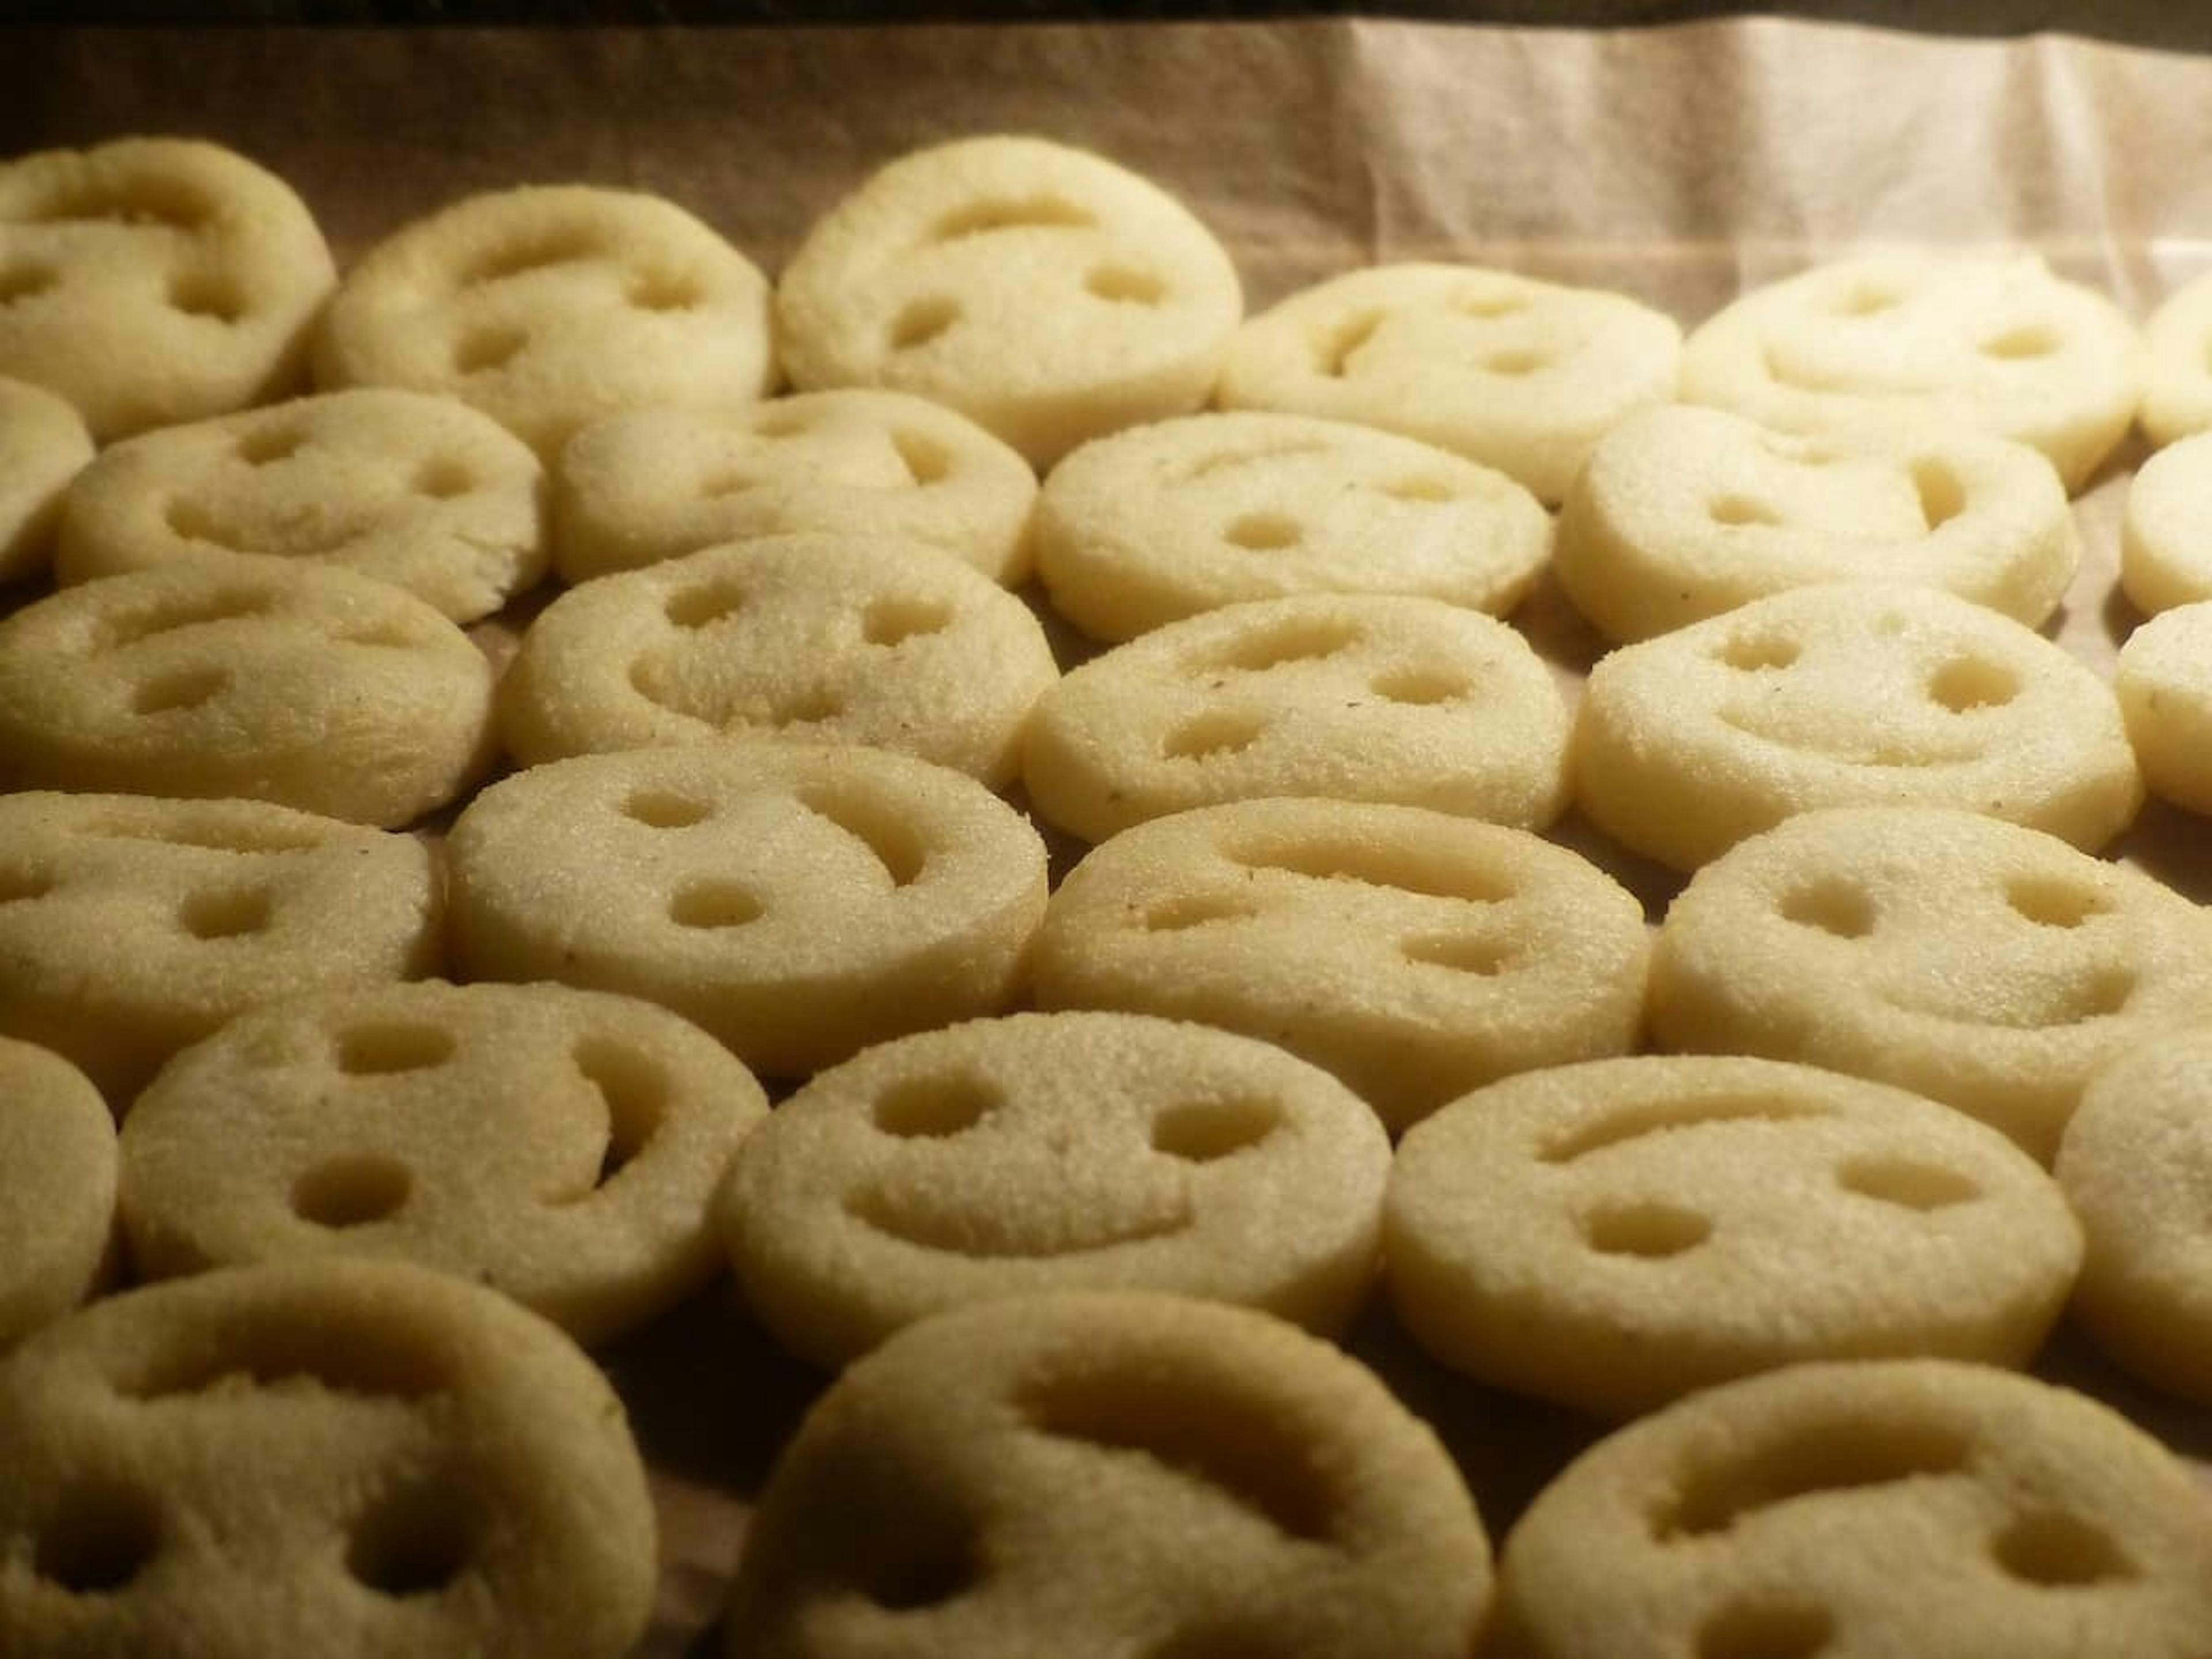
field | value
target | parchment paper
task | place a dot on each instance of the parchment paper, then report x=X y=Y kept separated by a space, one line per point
x=1679 y=164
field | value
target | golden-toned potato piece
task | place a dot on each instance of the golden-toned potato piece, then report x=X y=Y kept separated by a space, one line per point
x=1847 y=693
x=1617 y=1233
x=651 y=484
x=150 y=281
x=2136 y=1165
x=1344 y=696
x=318 y=1460
x=563 y=1146
x=1686 y=512
x=420 y=491
x=1045 y=293
x=1929 y=1507
x=1415 y=954
x=43 y=445
x=799 y=901
x=58 y=1177
x=819 y=638
x=1063 y=1151
x=1093 y=1474
x=1164 y=521
x=311 y=688
x=550 y=305
x=1990 y=967
x=1521 y=375
x=131 y=928
x=1941 y=339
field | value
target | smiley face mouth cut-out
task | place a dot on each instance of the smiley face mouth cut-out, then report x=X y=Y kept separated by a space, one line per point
x=937 y=1221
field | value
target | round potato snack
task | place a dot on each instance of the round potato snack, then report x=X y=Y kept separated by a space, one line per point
x=131 y=926
x=1514 y=374
x=1042 y=1151
x=550 y=305
x=420 y=491
x=43 y=447
x=154 y=281
x=1990 y=967
x=823 y=639
x=324 y=1460
x=312 y=688
x=1350 y=697
x=1617 y=1233
x=1924 y=1507
x=563 y=1146
x=1847 y=693
x=651 y=484
x=1045 y=293
x=1686 y=512
x=1926 y=338
x=58 y=1174
x=1094 y=1474
x=798 y=901
x=1413 y=954
x=1164 y=521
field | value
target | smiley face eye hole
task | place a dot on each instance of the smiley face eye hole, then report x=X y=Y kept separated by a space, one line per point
x=20 y=885
x=1942 y=493
x=1965 y=683
x=1211 y=736
x=25 y=281
x=1203 y=1131
x=267 y=444
x=488 y=347
x=923 y=321
x=664 y=809
x=1750 y=654
x=925 y=460
x=1335 y=349
x=388 y=1047
x=1124 y=285
x=2027 y=341
x=1831 y=905
x=1648 y=1228
x=934 y=1106
x=2053 y=1550
x=893 y=619
x=1481 y=957
x=706 y=603
x=1867 y=299
x=99 y=1541
x=1419 y=688
x=1515 y=364
x=933 y=1565
x=225 y=912
x=179 y=690
x=2053 y=901
x=1263 y=532
x=1482 y=302
x=351 y=1191
x=1767 y=1630
x=1907 y=1183
x=664 y=290
x=1420 y=487
x=414 y=1542
x=1735 y=511
x=710 y=905
x=205 y=295
x=441 y=478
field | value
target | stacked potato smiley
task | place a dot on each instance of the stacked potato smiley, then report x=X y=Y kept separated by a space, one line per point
x=1104 y=869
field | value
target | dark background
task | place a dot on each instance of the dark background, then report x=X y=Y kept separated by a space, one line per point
x=2171 y=23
